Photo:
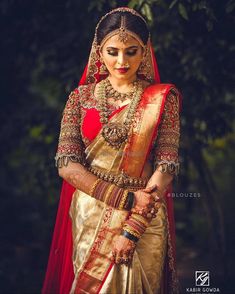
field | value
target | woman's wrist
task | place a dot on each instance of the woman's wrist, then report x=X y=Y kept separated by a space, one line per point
x=135 y=225
x=130 y=236
x=112 y=195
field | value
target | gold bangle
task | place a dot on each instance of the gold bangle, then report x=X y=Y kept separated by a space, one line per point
x=140 y=218
x=123 y=200
x=107 y=193
x=134 y=233
x=94 y=186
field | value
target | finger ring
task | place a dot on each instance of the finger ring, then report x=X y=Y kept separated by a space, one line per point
x=113 y=254
x=149 y=215
x=156 y=198
x=156 y=205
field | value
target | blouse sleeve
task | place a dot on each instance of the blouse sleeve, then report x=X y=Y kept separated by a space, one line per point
x=71 y=146
x=167 y=142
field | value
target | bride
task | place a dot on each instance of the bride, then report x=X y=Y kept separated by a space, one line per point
x=117 y=154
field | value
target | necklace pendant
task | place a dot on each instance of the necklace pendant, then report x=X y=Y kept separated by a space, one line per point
x=115 y=134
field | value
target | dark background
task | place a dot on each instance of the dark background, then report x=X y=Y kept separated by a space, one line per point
x=44 y=48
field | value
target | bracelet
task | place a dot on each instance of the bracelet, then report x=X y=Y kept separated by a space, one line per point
x=130 y=236
x=108 y=193
x=94 y=186
x=130 y=200
x=134 y=227
x=111 y=194
x=131 y=230
x=140 y=218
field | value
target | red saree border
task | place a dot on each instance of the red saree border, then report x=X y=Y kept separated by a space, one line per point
x=152 y=95
x=166 y=89
x=85 y=282
x=105 y=277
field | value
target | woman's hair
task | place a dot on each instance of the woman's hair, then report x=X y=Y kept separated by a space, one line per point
x=133 y=23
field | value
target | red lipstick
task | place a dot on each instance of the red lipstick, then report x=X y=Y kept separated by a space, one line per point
x=122 y=70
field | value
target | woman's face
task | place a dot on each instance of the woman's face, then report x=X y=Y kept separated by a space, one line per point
x=122 y=59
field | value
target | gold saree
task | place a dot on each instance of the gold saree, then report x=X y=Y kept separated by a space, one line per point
x=95 y=225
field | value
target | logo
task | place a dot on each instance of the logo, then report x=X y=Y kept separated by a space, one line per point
x=202 y=278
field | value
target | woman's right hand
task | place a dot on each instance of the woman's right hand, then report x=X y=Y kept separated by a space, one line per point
x=143 y=198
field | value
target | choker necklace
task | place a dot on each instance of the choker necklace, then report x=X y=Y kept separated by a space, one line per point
x=115 y=134
x=112 y=93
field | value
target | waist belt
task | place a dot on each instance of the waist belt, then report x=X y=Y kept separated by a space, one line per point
x=121 y=180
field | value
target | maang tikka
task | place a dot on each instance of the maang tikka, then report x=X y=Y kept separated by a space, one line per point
x=122 y=34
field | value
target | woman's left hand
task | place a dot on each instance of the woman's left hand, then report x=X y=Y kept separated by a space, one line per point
x=123 y=250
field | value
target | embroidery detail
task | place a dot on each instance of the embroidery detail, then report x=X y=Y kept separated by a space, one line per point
x=174 y=282
x=87 y=98
x=167 y=142
x=71 y=146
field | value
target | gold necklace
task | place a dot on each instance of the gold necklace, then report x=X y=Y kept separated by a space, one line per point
x=112 y=93
x=115 y=134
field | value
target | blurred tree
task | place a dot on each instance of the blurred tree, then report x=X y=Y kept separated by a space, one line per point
x=45 y=46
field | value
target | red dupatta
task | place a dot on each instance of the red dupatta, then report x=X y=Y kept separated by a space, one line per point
x=59 y=275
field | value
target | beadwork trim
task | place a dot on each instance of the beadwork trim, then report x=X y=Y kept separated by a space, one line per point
x=63 y=159
x=170 y=167
x=120 y=180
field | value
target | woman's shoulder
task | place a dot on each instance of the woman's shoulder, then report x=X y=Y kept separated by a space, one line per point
x=163 y=87
x=85 y=88
x=169 y=91
x=80 y=94
x=86 y=95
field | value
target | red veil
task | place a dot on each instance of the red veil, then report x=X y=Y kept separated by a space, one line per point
x=59 y=275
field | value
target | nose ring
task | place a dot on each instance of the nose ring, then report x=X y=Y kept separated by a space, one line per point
x=126 y=65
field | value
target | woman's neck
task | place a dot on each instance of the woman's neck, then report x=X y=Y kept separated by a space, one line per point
x=122 y=85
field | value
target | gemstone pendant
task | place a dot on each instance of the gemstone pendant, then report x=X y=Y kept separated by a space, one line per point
x=115 y=134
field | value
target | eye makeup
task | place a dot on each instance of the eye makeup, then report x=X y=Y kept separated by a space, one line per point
x=130 y=51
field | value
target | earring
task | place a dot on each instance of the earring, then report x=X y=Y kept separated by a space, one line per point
x=142 y=68
x=145 y=67
x=103 y=69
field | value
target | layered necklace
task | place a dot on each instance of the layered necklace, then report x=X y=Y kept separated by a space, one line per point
x=115 y=133
x=112 y=93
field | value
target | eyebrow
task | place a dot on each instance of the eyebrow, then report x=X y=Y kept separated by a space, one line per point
x=114 y=48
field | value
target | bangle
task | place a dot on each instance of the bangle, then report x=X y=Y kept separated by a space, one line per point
x=108 y=193
x=123 y=199
x=130 y=236
x=130 y=200
x=140 y=218
x=94 y=186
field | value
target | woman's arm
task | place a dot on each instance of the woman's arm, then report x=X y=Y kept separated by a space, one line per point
x=167 y=144
x=161 y=180
x=80 y=178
